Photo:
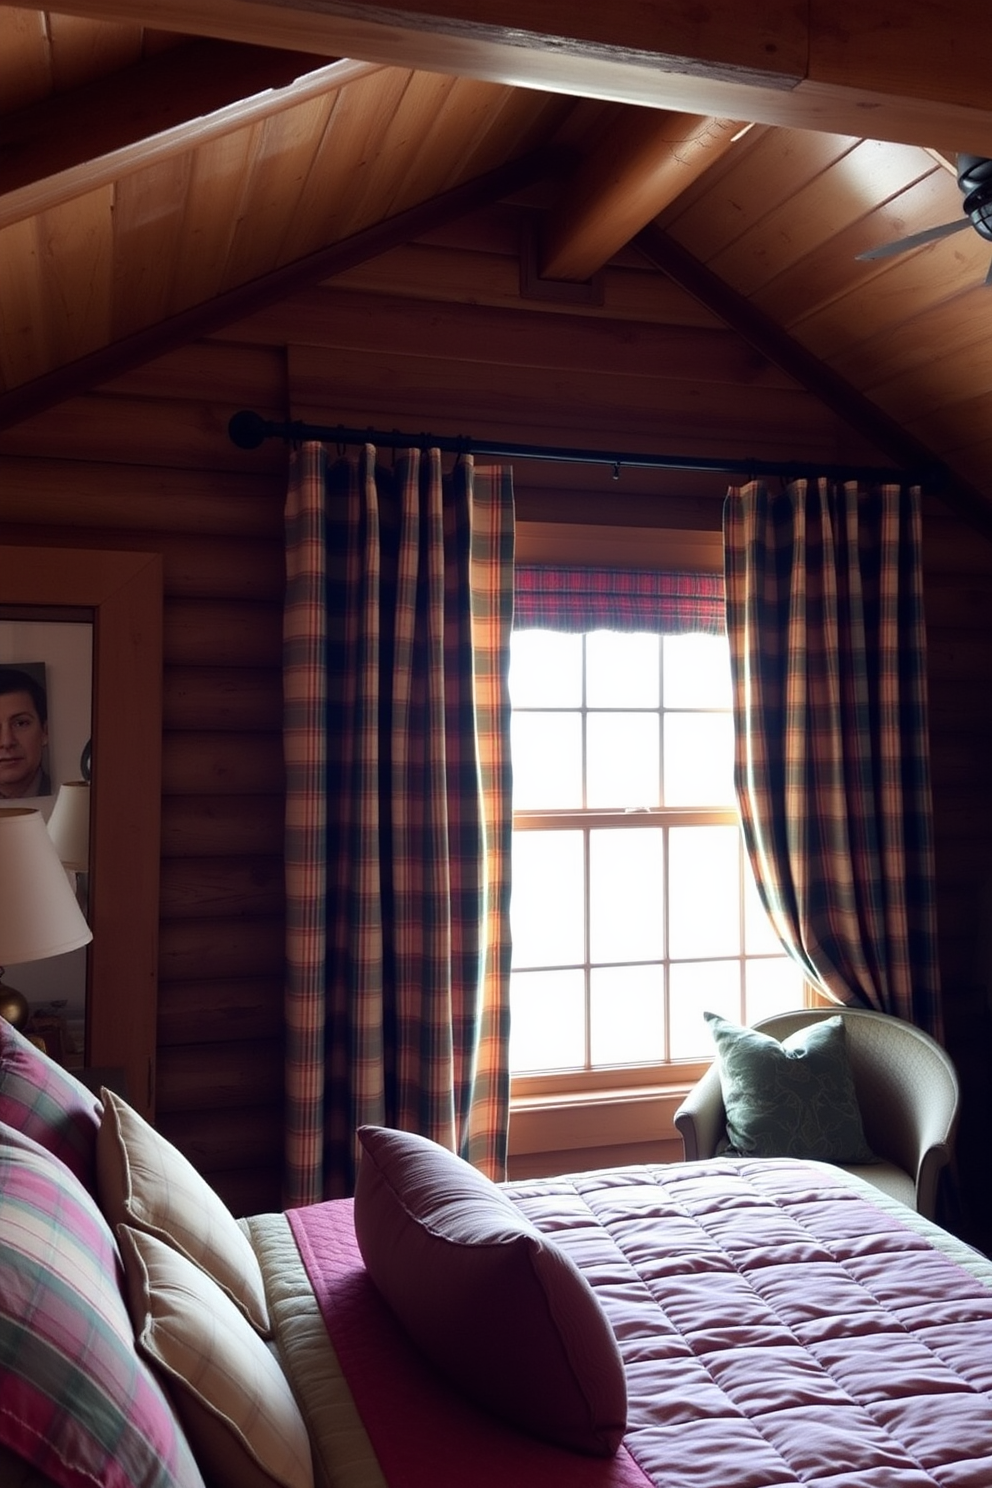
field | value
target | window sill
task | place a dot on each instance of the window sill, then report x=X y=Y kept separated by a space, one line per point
x=566 y=1132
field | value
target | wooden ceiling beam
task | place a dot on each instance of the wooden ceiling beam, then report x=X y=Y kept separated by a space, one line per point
x=76 y=141
x=213 y=315
x=791 y=357
x=908 y=70
x=641 y=164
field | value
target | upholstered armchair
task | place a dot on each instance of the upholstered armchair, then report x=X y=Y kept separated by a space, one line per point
x=907 y=1092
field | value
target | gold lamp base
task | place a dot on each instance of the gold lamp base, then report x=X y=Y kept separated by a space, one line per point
x=13 y=1005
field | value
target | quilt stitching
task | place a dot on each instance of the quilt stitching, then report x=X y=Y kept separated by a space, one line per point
x=754 y=1186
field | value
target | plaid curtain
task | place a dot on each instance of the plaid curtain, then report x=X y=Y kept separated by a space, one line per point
x=398 y=614
x=828 y=654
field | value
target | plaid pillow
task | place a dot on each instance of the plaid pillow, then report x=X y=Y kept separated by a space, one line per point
x=76 y=1401
x=48 y=1104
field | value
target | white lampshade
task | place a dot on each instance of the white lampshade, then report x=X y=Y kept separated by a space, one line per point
x=39 y=915
x=69 y=825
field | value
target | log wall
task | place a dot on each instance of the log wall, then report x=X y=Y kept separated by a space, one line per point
x=176 y=485
x=145 y=464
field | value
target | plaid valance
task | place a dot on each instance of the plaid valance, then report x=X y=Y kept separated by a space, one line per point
x=553 y=597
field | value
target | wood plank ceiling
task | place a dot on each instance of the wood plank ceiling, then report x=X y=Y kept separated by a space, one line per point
x=168 y=170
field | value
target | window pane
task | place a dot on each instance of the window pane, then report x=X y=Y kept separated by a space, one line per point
x=759 y=937
x=547 y=1023
x=621 y=670
x=547 y=906
x=626 y=908
x=699 y=987
x=697 y=672
x=627 y=1015
x=622 y=760
x=546 y=749
x=772 y=986
x=699 y=759
x=704 y=891
x=545 y=669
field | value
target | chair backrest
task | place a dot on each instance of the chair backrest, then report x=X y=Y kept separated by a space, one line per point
x=906 y=1084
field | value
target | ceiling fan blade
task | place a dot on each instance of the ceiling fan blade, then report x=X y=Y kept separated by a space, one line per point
x=927 y=236
x=988 y=278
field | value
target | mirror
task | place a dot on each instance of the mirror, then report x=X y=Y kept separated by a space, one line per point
x=123 y=593
x=46 y=695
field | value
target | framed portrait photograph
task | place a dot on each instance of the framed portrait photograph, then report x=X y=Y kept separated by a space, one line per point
x=46 y=705
x=25 y=763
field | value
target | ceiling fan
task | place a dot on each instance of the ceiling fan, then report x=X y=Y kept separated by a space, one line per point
x=975 y=182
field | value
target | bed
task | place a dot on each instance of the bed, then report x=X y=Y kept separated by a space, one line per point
x=729 y=1323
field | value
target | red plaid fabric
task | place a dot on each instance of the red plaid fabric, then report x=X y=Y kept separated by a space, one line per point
x=398 y=612
x=553 y=597
x=828 y=655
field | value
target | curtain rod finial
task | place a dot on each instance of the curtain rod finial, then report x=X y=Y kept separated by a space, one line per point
x=247 y=430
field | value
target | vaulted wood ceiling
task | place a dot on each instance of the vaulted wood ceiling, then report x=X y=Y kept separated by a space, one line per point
x=166 y=169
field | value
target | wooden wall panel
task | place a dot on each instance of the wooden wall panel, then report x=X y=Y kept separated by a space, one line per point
x=147 y=463
x=175 y=485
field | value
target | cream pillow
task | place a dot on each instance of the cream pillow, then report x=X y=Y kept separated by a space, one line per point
x=145 y=1182
x=233 y=1399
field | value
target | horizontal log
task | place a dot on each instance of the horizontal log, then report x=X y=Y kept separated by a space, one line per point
x=959 y=753
x=222 y=826
x=207 y=632
x=966 y=605
x=143 y=498
x=240 y=699
x=211 y=888
x=464 y=397
x=181 y=434
x=193 y=567
x=248 y=374
x=255 y=1190
x=219 y=1140
x=961 y=655
x=192 y=1078
x=210 y=950
x=348 y=321
x=223 y=764
x=956 y=822
x=953 y=549
x=217 y=1012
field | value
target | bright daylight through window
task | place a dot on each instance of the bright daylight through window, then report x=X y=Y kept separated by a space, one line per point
x=633 y=905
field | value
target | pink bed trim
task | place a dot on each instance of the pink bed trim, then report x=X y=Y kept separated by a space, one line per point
x=423 y=1434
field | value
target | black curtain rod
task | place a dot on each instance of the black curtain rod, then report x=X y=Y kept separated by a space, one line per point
x=249 y=430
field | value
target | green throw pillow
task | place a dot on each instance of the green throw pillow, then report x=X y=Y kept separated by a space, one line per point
x=790 y=1099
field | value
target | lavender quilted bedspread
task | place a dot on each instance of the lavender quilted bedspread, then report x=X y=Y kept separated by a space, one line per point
x=778 y=1328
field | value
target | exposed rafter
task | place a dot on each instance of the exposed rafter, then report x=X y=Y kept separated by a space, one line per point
x=175 y=101
x=641 y=164
x=825 y=65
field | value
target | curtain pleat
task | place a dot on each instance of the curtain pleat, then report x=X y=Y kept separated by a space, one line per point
x=828 y=655
x=398 y=943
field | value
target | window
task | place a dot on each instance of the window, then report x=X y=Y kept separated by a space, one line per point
x=633 y=905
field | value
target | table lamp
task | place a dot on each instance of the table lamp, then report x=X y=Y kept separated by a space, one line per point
x=69 y=825
x=69 y=829
x=39 y=916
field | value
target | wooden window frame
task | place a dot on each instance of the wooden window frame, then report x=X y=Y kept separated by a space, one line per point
x=581 y=1119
